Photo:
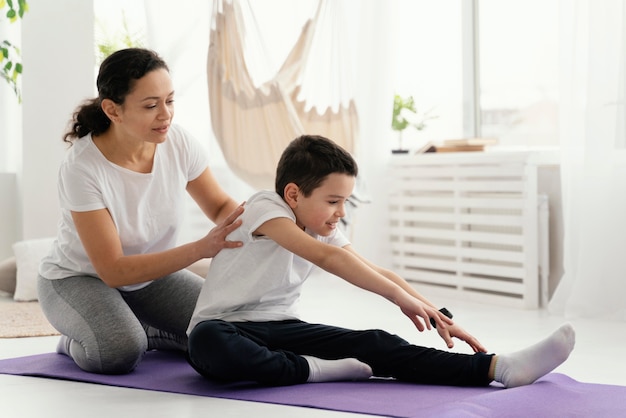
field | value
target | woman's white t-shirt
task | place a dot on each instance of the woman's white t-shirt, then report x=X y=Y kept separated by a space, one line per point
x=146 y=208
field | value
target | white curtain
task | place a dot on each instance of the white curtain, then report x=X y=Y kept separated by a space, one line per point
x=592 y=126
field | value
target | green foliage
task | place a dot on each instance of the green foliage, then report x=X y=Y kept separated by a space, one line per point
x=10 y=65
x=405 y=114
x=108 y=42
x=12 y=14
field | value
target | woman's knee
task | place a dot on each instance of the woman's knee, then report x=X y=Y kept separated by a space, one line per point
x=117 y=355
x=126 y=355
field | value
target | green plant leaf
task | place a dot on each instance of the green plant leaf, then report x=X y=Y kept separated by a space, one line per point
x=12 y=69
x=400 y=122
x=22 y=7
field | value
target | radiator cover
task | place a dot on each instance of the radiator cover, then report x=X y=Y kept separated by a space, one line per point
x=472 y=225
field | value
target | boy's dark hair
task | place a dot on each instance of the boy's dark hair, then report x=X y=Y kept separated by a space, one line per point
x=308 y=160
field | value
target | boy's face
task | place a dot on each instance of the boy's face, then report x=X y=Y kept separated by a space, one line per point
x=321 y=211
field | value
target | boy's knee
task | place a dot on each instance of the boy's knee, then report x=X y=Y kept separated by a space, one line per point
x=208 y=335
x=208 y=348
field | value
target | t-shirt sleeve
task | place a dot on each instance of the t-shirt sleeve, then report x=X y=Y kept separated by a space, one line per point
x=262 y=210
x=196 y=155
x=78 y=190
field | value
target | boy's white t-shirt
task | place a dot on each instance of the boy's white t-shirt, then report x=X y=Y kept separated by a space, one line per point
x=260 y=281
x=146 y=208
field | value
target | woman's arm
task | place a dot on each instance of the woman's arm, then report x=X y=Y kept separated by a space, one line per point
x=214 y=202
x=101 y=241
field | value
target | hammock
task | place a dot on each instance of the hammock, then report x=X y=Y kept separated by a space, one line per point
x=253 y=124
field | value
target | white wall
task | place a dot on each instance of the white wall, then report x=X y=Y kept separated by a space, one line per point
x=57 y=53
x=58 y=58
x=10 y=134
x=8 y=213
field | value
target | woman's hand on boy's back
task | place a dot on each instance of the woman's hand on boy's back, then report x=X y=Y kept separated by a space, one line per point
x=216 y=240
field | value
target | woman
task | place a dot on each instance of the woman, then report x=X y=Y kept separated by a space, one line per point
x=114 y=283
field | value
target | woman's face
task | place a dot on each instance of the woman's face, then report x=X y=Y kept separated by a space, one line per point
x=148 y=109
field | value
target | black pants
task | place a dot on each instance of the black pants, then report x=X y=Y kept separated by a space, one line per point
x=270 y=353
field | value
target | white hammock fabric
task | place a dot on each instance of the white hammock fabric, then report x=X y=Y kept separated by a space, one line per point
x=253 y=125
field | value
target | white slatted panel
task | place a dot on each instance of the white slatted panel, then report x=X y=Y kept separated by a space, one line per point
x=468 y=223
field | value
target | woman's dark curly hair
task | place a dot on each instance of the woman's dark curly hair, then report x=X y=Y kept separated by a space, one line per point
x=116 y=79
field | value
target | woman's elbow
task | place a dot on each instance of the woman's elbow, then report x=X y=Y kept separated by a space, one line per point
x=110 y=280
x=112 y=276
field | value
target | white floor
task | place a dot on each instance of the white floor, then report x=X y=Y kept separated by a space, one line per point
x=597 y=358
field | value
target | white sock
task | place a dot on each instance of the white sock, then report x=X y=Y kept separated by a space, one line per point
x=321 y=370
x=525 y=366
x=63 y=346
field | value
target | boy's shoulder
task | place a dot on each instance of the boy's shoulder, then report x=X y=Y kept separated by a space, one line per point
x=266 y=197
x=267 y=203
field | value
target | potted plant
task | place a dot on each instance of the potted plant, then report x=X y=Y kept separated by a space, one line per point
x=405 y=115
x=10 y=67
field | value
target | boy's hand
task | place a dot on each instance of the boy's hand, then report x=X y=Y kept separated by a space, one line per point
x=456 y=331
x=420 y=313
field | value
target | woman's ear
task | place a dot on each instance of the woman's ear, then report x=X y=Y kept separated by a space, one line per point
x=292 y=193
x=110 y=109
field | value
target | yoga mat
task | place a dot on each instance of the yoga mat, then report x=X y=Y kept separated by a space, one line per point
x=555 y=395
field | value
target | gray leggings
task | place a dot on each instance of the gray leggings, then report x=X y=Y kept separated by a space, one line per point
x=108 y=331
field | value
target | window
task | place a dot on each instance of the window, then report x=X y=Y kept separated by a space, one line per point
x=483 y=67
x=429 y=66
x=519 y=66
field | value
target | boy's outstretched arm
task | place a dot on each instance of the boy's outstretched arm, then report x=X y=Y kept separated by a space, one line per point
x=348 y=266
x=446 y=333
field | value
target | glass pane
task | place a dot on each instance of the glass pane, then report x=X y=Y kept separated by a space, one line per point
x=428 y=53
x=519 y=59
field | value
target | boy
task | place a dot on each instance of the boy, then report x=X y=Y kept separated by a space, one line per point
x=245 y=327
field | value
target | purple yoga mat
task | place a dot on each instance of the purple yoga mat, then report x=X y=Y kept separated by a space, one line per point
x=555 y=395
